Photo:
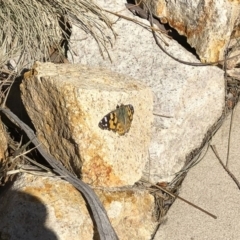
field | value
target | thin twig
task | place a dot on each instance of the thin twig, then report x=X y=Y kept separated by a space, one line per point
x=184 y=200
x=226 y=168
x=23 y=153
x=201 y=209
x=33 y=172
x=38 y=164
x=176 y=59
x=229 y=137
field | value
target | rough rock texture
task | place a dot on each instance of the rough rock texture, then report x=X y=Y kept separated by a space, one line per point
x=49 y=208
x=43 y=208
x=188 y=99
x=208 y=25
x=3 y=142
x=130 y=212
x=66 y=102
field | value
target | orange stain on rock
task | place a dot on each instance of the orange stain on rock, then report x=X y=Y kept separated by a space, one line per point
x=99 y=173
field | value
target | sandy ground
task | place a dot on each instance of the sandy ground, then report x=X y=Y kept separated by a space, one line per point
x=210 y=187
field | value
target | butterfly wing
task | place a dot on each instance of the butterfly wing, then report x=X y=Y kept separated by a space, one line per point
x=118 y=120
x=126 y=119
x=109 y=121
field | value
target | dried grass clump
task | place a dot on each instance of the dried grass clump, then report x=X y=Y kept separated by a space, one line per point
x=30 y=28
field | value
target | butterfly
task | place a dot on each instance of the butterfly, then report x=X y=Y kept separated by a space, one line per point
x=119 y=120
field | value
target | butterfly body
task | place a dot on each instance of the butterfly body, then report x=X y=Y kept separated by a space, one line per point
x=118 y=120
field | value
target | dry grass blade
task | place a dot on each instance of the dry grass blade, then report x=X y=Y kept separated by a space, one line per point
x=31 y=170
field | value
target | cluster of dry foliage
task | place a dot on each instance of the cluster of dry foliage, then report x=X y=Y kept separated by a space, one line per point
x=32 y=30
